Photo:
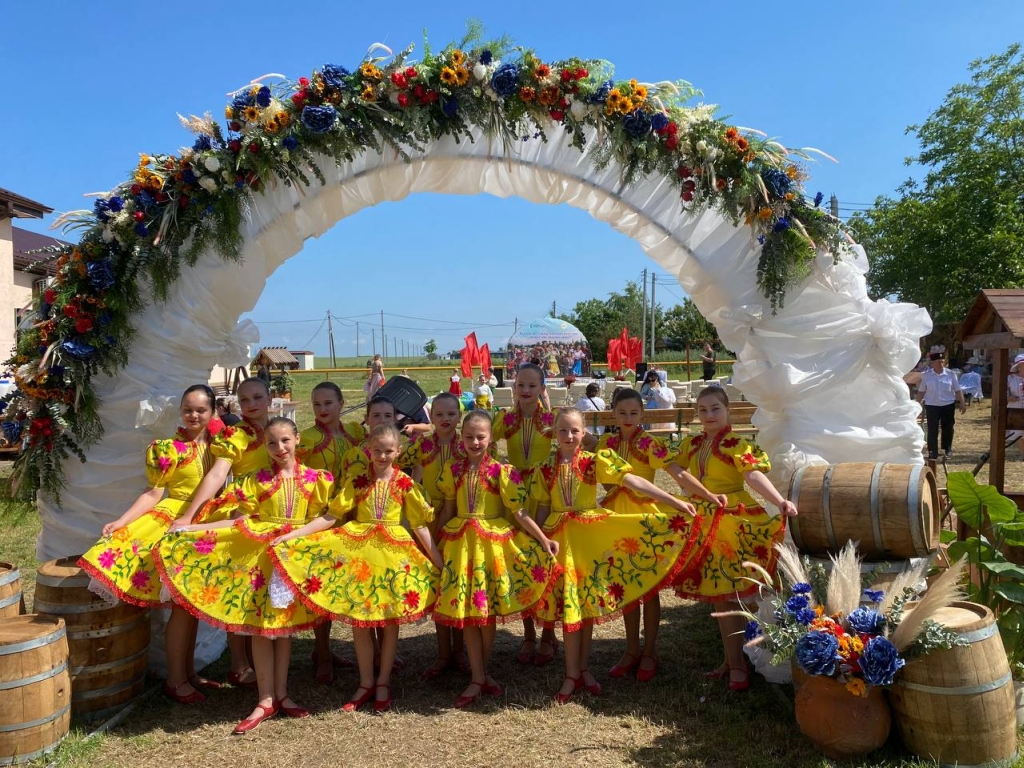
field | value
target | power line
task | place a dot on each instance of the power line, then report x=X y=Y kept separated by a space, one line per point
x=316 y=334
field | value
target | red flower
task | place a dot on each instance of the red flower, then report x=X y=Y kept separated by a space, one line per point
x=234 y=125
x=49 y=296
x=254 y=148
x=411 y=599
x=556 y=115
x=138 y=215
x=672 y=129
x=83 y=325
x=685 y=172
x=360 y=481
x=687 y=196
x=582 y=74
x=136 y=188
x=410 y=72
x=235 y=145
x=749 y=458
x=761 y=553
x=679 y=523
x=403 y=100
x=183 y=201
x=399 y=79
x=303 y=81
x=311 y=585
x=567 y=75
x=730 y=442
x=671 y=142
x=298 y=98
x=616 y=591
x=404 y=483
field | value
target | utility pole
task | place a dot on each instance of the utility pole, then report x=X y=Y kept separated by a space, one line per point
x=554 y=311
x=833 y=204
x=516 y=329
x=654 y=311
x=357 y=338
x=373 y=339
x=330 y=340
x=643 y=322
x=384 y=345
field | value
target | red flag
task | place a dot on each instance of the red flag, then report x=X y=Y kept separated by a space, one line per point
x=484 y=357
x=624 y=341
x=635 y=353
x=471 y=345
x=614 y=355
x=467 y=367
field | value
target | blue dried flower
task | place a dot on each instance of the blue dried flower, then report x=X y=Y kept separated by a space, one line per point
x=761 y=239
x=145 y=200
x=659 y=121
x=79 y=350
x=801 y=588
x=241 y=101
x=781 y=225
x=334 y=76
x=12 y=431
x=637 y=123
x=600 y=96
x=101 y=274
x=140 y=229
x=752 y=631
x=817 y=653
x=865 y=620
x=101 y=209
x=486 y=57
x=505 y=80
x=263 y=96
x=115 y=204
x=290 y=142
x=189 y=177
x=880 y=661
x=105 y=317
x=777 y=182
x=57 y=371
x=805 y=616
x=817 y=199
x=319 y=119
x=874 y=595
x=3 y=406
x=202 y=144
x=796 y=602
x=450 y=107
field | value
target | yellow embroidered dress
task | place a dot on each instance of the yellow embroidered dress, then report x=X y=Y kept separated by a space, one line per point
x=607 y=561
x=121 y=564
x=743 y=530
x=222 y=575
x=321 y=450
x=368 y=572
x=242 y=445
x=430 y=453
x=645 y=454
x=491 y=568
x=528 y=441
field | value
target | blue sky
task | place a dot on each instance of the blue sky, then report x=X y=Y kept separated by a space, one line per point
x=93 y=84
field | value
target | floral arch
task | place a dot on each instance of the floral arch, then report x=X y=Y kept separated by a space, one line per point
x=721 y=208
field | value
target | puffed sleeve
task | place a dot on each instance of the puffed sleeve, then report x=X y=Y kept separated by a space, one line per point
x=413 y=454
x=610 y=468
x=229 y=444
x=308 y=440
x=355 y=431
x=446 y=482
x=603 y=441
x=498 y=425
x=514 y=492
x=660 y=452
x=748 y=456
x=344 y=501
x=539 y=488
x=416 y=507
x=161 y=461
x=352 y=463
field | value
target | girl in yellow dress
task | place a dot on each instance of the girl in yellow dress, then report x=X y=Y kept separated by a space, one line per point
x=526 y=430
x=491 y=568
x=740 y=530
x=239 y=451
x=379 y=412
x=608 y=562
x=646 y=454
x=221 y=571
x=368 y=572
x=121 y=565
x=323 y=446
x=427 y=456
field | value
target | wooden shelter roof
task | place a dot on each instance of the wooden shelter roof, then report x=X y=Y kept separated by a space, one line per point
x=995 y=321
x=276 y=356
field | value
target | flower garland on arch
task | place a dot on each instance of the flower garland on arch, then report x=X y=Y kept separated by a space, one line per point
x=174 y=207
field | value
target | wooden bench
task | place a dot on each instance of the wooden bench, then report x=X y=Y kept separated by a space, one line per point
x=680 y=416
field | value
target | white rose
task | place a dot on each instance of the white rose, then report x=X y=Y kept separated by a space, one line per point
x=212 y=164
x=702 y=146
x=479 y=71
x=578 y=109
x=208 y=183
x=107 y=235
x=228 y=176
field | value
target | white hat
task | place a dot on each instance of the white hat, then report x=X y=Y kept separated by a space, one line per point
x=1016 y=363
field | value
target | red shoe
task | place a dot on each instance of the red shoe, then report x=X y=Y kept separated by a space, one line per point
x=621 y=670
x=188 y=698
x=466 y=699
x=646 y=674
x=594 y=688
x=564 y=698
x=251 y=722
x=382 y=706
x=435 y=670
x=526 y=657
x=493 y=689
x=291 y=711
x=358 y=701
x=738 y=686
x=543 y=659
x=718 y=672
x=235 y=681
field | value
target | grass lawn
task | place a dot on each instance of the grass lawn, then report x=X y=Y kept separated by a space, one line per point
x=679 y=719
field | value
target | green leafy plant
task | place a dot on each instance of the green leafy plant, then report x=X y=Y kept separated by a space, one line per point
x=999 y=583
x=282 y=383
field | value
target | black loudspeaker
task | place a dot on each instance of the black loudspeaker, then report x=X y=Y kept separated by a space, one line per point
x=641 y=371
x=499 y=374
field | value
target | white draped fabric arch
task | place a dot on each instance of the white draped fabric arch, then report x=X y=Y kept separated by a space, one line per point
x=826 y=371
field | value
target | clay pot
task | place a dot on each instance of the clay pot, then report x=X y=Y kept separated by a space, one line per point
x=840 y=724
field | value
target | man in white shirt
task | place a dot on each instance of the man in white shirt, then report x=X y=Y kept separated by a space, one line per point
x=940 y=392
x=1015 y=399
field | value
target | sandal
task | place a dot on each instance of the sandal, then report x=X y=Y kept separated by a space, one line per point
x=171 y=691
x=621 y=670
x=524 y=656
x=542 y=659
x=646 y=674
x=466 y=699
x=594 y=688
x=357 y=701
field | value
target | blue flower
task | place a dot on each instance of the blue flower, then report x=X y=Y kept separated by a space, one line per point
x=817 y=653
x=319 y=119
x=290 y=142
x=777 y=182
x=796 y=602
x=659 y=121
x=105 y=317
x=801 y=588
x=880 y=661
x=101 y=274
x=140 y=229
x=865 y=620
x=450 y=107
x=752 y=631
x=600 y=96
x=760 y=239
x=505 y=80
x=12 y=431
x=637 y=123
x=145 y=199
x=115 y=204
x=202 y=144
x=805 y=616
x=263 y=96
x=77 y=349
x=817 y=199
x=101 y=209
x=57 y=371
x=189 y=177
x=241 y=101
x=781 y=225
x=874 y=595
x=334 y=76
x=486 y=57
x=3 y=406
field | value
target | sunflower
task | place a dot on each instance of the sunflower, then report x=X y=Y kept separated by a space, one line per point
x=731 y=134
x=448 y=76
x=282 y=119
x=370 y=71
x=155 y=182
x=764 y=213
x=461 y=76
x=542 y=71
x=251 y=114
x=457 y=57
x=229 y=113
x=550 y=96
x=614 y=97
x=272 y=125
x=639 y=92
x=368 y=94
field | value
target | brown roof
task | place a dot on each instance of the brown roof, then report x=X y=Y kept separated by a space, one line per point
x=275 y=356
x=25 y=242
x=13 y=206
x=996 y=310
x=300 y=351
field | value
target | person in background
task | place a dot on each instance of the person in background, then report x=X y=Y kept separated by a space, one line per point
x=263 y=374
x=591 y=401
x=376 y=378
x=1015 y=399
x=455 y=383
x=940 y=392
x=492 y=380
x=482 y=393
x=224 y=413
x=708 y=362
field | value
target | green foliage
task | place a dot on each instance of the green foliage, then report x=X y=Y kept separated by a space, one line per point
x=281 y=383
x=684 y=326
x=600 y=320
x=961 y=228
x=430 y=348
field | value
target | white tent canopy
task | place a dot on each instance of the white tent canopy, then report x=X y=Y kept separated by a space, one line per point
x=546 y=329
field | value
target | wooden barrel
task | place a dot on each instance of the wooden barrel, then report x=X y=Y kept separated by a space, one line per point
x=892 y=510
x=12 y=603
x=109 y=645
x=35 y=688
x=957 y=706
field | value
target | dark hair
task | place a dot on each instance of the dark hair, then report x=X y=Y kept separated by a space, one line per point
x=257 y=381
x=281 y=421
x=592 y=389
x=652 y=374
x=718 y=392
x=536 y=369
x=626 y=393
x=378 y=400
x=477 y=414
x=384 y=430
x=205 y=390
x=331 y=386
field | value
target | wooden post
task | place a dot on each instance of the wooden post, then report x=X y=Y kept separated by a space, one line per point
x=997 y=440
x=687 y=362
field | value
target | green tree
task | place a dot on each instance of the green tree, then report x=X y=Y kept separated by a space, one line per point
x=430 y=348
x=684 y=326
x=600 y=320
x=961 y=227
